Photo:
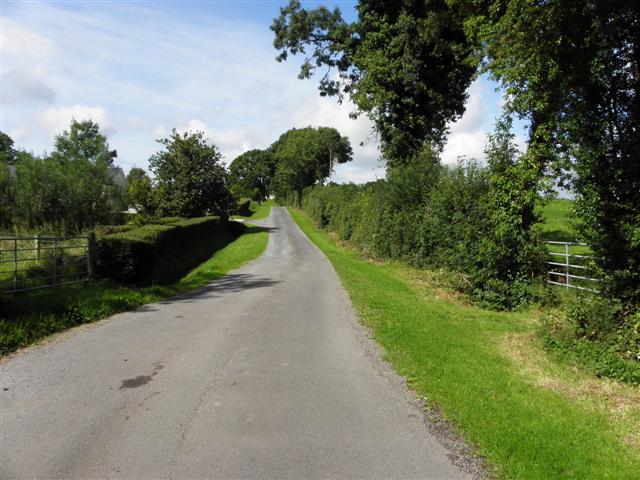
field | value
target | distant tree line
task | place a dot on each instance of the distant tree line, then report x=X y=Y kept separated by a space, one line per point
x=300 y=158
x=74 y=188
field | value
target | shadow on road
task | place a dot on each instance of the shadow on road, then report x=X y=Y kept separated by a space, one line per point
x=234 y=282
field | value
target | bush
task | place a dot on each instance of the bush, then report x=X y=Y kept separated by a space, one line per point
x=594 y=317
x=160 y=253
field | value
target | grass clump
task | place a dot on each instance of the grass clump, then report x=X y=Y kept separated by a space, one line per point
x=455 y=355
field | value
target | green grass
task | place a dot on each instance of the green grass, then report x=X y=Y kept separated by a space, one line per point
x=28 y=317
x=558 y=223
x=453 y=354
x=260 y=210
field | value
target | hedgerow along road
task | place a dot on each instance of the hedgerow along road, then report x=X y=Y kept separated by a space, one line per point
x=265 y=373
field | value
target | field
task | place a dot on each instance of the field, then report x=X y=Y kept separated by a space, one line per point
x=559 y=225
x=530 y=416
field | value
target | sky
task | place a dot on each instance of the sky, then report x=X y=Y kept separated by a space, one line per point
x=140 y=69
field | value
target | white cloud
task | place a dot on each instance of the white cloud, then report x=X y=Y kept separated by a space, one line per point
x=468 y=135
x=231 y=141
x=56 y=119
x=18 y=133
x=18 y=42
x=27 y=67
x=26 y=84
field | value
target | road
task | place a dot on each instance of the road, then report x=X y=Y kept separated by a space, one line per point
x=262 y=374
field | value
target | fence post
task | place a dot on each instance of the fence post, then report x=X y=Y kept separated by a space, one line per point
x=15 y=263
x=37 y=245
x=91 y=255
x=55 y=260
x=566 y=259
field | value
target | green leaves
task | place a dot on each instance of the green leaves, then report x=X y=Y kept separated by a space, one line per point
x=190 y=178
x=406 y=64
x=305 y=156
x=250 y=174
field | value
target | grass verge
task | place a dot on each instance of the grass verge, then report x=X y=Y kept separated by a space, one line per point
x=28 y=317
x=260 y=211
x=477 y=366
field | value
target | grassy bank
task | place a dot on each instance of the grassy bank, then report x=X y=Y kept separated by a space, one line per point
x=531 y=417
x=28 y=317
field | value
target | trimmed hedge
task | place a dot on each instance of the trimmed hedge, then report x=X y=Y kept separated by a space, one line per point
x=162 y=252
x=244 y=208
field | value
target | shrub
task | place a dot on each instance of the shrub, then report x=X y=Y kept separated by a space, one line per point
x=157 y=253
x=593 y=316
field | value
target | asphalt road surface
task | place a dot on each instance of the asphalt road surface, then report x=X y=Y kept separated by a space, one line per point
x=262 y=374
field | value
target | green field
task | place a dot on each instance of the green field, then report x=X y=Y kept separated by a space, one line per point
x=529 y=416
x=30 y=316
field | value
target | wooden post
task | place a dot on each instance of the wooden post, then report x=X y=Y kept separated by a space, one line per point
x=37 y=245
x=91 y=255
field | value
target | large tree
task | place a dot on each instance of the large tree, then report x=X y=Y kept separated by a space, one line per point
x=7 y=158
x=190 y=177
x=250 y=174
x=305 y=157
x=572 y=68
x=406 y=63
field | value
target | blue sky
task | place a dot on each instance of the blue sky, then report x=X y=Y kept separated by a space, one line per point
x=141 y=68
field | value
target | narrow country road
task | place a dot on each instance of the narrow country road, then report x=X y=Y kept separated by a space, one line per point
x=262 y=374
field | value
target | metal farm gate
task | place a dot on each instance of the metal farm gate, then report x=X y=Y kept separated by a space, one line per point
x=569 y=269
x=28 y=263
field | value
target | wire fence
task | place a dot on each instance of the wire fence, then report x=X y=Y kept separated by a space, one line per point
x=28 y=263
x=569 y=266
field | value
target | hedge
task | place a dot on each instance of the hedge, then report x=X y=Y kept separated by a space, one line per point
x=163 y=251
x=244 y=208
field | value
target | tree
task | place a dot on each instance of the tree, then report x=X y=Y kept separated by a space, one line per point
x=305 y=156
x=83 y=141
x=407 y=64
x=250 y=174
x=82 y=159
x=7 y=152
x=7 y=159
x=190 y=177
x=136 y=173
x=571 y=67
x=140 y=192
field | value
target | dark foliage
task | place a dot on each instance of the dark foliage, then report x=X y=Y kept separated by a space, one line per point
x=160 y=253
